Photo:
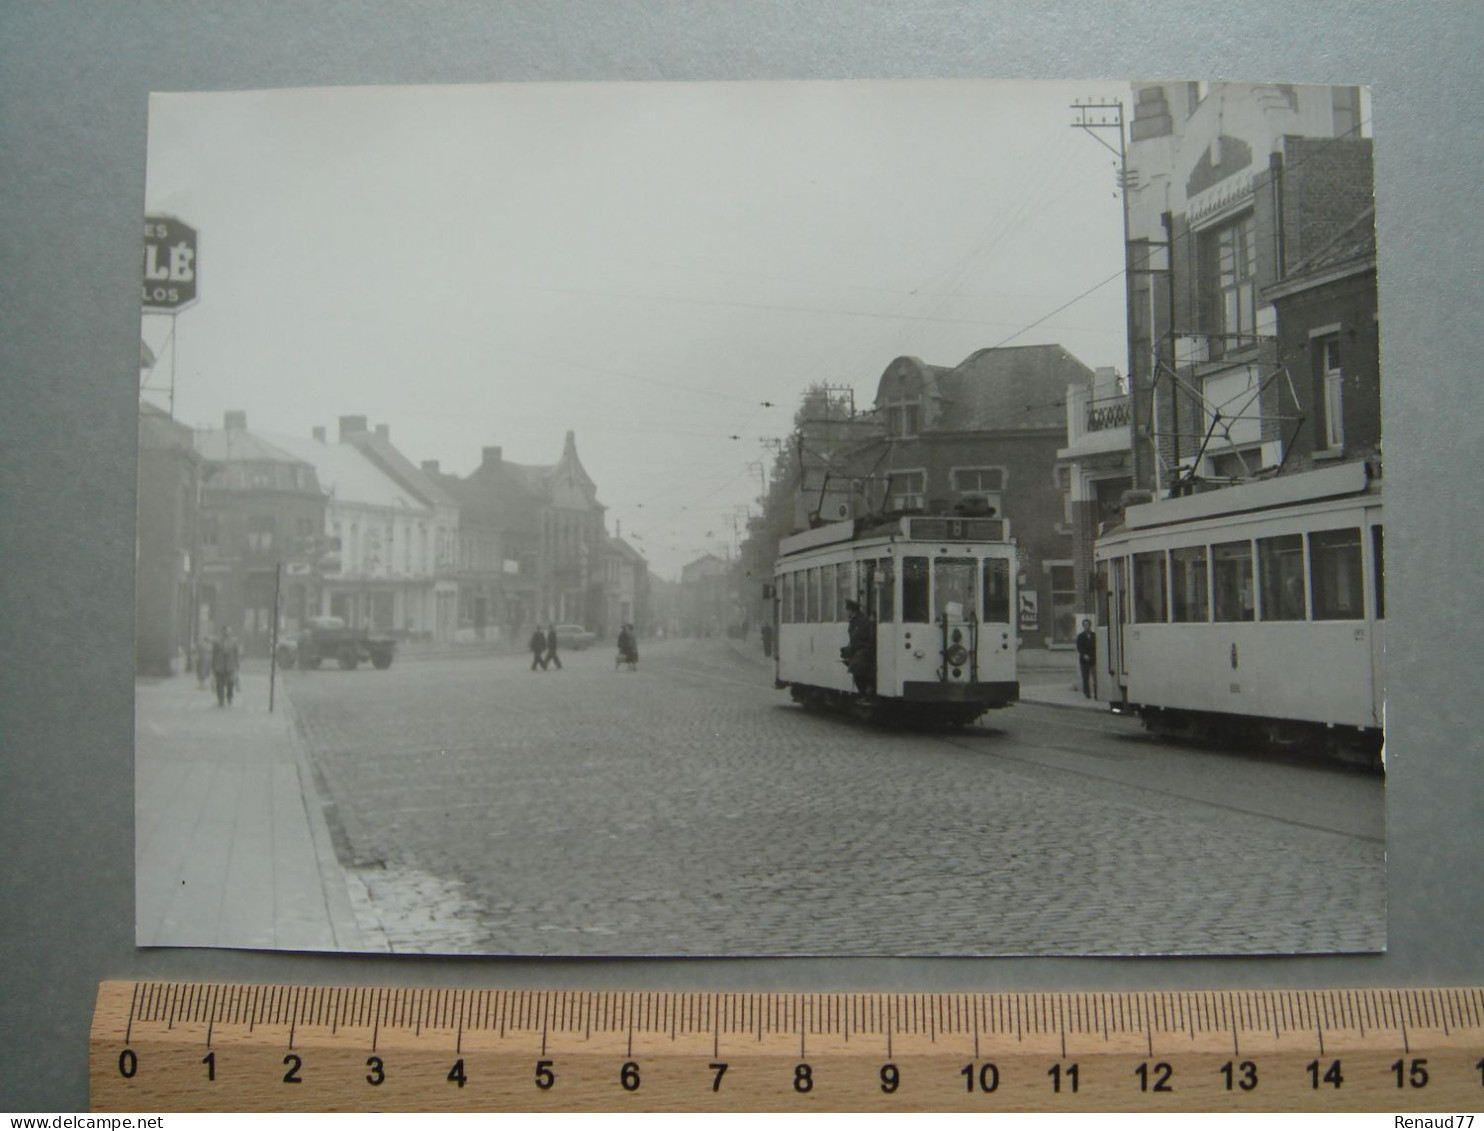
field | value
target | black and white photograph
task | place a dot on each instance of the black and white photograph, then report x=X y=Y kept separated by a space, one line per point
x=772 y=518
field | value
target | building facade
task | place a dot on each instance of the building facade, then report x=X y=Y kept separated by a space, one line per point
x=571 y=540
x=1235 y=190
x=430 y=611
x=1096 y=468
x=626 y=588
x=385 y=551
x=706 y=607
x=1252 y=304
x=262 y=511
x=167 y=544
x=499 y=549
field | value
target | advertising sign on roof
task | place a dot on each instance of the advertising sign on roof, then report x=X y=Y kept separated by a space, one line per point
x=169 y=264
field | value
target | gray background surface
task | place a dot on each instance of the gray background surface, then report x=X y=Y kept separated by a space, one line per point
x=74 y=80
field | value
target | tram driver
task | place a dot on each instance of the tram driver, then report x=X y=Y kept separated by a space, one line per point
x=860 y=653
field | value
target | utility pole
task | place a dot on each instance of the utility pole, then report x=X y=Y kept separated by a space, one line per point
x=1092 y=116
x=762 y=479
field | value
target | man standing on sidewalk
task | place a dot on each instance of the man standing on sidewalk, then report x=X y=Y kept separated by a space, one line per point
x=1087 y=659
x=226 y=654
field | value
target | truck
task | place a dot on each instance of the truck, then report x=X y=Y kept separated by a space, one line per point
x=328 y=638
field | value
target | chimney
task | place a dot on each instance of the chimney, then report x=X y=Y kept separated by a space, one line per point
x=494 y=456
x=235 y=419
x=350 y=425
x=430 y=466
x=319 y=434
x=384 y=431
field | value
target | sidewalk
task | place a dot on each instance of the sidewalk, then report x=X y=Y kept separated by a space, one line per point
x=231 y=845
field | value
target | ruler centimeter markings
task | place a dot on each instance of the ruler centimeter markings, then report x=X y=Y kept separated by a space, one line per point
x=236 y=1047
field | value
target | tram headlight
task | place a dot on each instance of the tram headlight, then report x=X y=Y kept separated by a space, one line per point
x=957 y=655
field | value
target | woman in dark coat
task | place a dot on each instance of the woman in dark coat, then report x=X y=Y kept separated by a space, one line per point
x=538 y=649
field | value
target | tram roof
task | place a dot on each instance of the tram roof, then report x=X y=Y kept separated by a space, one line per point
x=1283 y=490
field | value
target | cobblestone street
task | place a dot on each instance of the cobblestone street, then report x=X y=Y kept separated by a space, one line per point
x=691 y=809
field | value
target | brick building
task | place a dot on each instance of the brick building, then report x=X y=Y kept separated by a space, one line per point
x=1329 y=344
x=990 y=428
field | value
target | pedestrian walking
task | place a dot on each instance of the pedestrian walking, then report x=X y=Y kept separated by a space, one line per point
x=628 y=648
x=551 y=649
x=538 y=649
x=1087 y=659
x=226 y=655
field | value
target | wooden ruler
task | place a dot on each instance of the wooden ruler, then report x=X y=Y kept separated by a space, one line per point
x=199 y=1047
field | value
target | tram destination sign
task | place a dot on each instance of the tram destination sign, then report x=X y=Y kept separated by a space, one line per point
x=170 y=267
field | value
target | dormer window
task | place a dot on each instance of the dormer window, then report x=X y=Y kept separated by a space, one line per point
x=904 y=418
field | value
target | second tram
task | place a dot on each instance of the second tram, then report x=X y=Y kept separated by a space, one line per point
x=938 y=595
x=1255 y=612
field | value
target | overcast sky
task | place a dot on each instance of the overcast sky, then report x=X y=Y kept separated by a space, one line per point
x=644 y=264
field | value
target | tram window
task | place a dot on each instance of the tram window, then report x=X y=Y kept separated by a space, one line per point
x=827 y=594
x=785 y=598
x=1280 y=576
x=1149 y=587
x=1100 y=593
x=953 y=587
x=1120 y=583
x=1188 y=593
x=996 y=591
x=915 y=608
x=886 y=591
x=1335 y=573
x=1378 y=560
x=798 y=601
x=1231 y=574
x=811 y=602
x=844 y=590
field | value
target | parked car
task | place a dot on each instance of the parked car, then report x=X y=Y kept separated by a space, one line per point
x=574 y=636
x=328 y=638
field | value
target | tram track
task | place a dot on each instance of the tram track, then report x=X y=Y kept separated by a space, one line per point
x=712 y=670
x=1142 y=788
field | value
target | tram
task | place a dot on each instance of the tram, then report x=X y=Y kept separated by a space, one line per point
x=938 y=595
x=1252 y=613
